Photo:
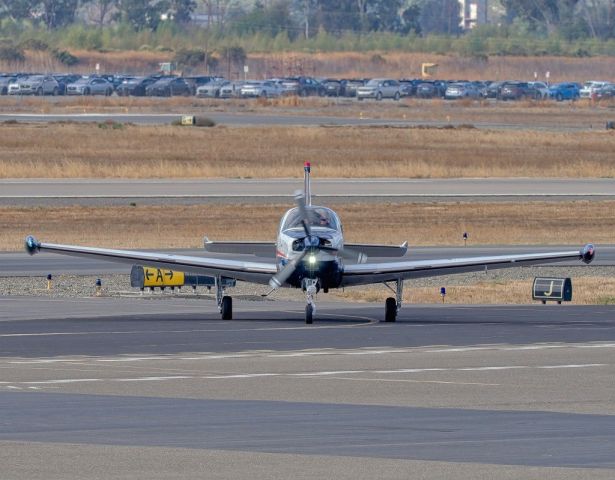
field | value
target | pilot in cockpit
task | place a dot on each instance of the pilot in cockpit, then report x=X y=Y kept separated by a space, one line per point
x=323 y=218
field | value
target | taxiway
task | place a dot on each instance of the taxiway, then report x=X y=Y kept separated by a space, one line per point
x=116 y=385
x=97 y=191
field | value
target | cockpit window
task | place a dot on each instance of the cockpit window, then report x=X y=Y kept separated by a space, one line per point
x=318 y=216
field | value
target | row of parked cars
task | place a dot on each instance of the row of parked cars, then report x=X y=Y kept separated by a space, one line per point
x=206 y=86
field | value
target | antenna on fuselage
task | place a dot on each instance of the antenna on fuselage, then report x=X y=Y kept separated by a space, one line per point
x=307 y=187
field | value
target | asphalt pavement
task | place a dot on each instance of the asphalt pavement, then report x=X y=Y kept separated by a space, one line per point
x=116 y=388
x=97 y=191
x=259 y=120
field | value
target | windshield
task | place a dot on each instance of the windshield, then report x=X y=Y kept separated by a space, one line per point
x=373 y=83
x=318 y=216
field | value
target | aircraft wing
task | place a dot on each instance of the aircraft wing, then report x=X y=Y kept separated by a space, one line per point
x=366 y=273
x=256 y=272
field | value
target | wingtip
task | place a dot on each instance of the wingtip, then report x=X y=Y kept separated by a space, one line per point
x=32 y=245
x=588 y=252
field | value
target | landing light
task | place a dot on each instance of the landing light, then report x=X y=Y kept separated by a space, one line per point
x=312 y=259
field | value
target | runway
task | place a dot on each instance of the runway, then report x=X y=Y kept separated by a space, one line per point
x=256 y=119
x=21 y=264
x=108 y=386
x=96 y=191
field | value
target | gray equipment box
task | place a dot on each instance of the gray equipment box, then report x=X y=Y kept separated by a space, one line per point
x=552 y=289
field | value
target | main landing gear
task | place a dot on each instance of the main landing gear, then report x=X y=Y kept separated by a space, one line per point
x=225 y=302
x=393 y=305
x=310 y=287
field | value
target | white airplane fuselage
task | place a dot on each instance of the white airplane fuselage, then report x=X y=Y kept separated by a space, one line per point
x=325 y=266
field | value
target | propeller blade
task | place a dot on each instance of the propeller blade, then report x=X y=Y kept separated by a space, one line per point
x=305 y=220
x=280 y=278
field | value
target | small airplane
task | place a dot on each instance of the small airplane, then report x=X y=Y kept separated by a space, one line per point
x=310 y=254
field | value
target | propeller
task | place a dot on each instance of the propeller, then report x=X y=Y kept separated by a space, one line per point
x=310 y=243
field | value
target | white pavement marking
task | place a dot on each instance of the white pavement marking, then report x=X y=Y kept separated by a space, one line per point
x=320 y=374
x=367 y=321
x=396 y=380
x=322 y=352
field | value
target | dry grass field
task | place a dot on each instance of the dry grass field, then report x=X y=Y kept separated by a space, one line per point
x=70 y=150
x=345 y=65
x=572 y=223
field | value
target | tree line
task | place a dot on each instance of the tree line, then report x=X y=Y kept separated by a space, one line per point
x=304 y=19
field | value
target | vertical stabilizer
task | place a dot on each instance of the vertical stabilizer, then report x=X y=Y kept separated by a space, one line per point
x=307 y=187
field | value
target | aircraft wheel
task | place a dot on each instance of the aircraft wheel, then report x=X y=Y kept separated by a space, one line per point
x=227 y=308
x=390 y=310
x=309 y=313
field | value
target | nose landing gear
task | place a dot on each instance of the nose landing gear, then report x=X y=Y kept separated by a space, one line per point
x=310 y=287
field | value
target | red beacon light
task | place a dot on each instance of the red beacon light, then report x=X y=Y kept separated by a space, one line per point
x=307 y=166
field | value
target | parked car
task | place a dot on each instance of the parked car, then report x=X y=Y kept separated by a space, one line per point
x=564 y=91
x=264 y=89
x=517 y=90
x=211 y=89
x=333 y=87
x=461 y=90
x=37 y=85
x=431 y=89
x=541 y=90
x=604 y=92
x=302 y=86
x=590 y=87
x=493 y=90
x=64 y=80
x=90 y=86
x=349 y=87
x=408 y=87
x=5 y=80
x=196 y=82
x=231 y=90
x=168 y=87
x=380 y=88
x=134 y=86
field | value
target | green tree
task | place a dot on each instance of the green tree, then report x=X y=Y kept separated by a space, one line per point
x=542 y=14
x=142 y=14
x=441 y=17
x=17 y=9
x=181 y=10
x=58 y=13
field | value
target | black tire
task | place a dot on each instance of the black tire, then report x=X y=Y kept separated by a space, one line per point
x=303 y=93
x=263 y=94
x=379 y=96
x=309 y=314
x=39 y=92
x=360 y=99
x=108 y=92
x=397 y=96
x=227 y=308
x=86 y=91
x=559 y=97
x=390 y=310
x=55 y=92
